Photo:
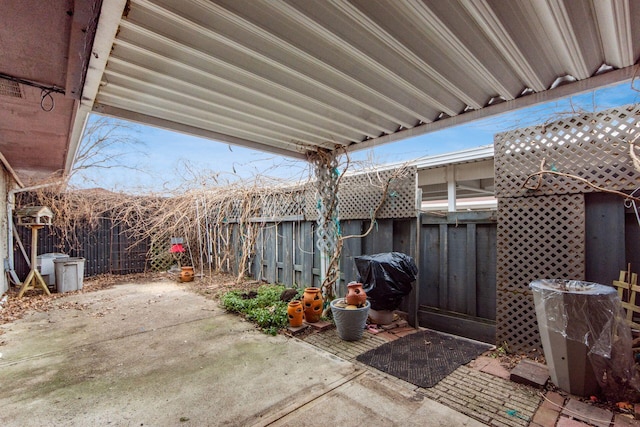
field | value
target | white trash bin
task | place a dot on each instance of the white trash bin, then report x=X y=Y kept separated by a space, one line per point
x=46 y=268
x=69 y=273
x=574 y=318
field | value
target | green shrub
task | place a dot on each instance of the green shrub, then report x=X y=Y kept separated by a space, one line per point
x=265 y=309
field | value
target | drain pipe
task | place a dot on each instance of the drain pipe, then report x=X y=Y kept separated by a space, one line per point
x=11 y=203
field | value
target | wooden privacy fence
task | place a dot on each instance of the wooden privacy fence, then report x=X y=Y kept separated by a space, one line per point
x=279 y=243
x=286 y=252
x=108 y=248
x=270 y=233
x=457 y=284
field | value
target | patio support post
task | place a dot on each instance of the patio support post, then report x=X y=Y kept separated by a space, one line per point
x=451 y=188
x=325 y=165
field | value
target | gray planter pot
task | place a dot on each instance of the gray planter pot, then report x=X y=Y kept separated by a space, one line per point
x=350 y=324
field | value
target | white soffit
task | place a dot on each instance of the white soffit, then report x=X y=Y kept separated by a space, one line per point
x=295 y=76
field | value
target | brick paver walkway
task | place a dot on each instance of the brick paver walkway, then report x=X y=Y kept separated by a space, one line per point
x=348 y=350
x=481 y=390
x=485 y=397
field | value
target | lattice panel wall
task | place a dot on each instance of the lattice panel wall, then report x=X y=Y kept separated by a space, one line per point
x=540 y=235
x=541 y=232
x=234 y=209
x=360 y=194
x=271 y=203
x=593 y=146
x=537 y=237
x=281 y=204
x=160 y=259
x=516 y=321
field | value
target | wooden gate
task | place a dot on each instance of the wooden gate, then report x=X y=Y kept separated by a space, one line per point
x=457 y=282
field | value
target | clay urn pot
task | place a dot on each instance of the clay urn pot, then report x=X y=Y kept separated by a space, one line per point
x=313 y=304
x=355 y=294
x=186 y=274
x=295 y=313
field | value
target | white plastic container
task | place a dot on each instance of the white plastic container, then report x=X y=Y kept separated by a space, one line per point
x=46 y=267
x=69 y=273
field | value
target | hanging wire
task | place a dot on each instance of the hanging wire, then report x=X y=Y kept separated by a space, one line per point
x=44 y=94
x=631 y=203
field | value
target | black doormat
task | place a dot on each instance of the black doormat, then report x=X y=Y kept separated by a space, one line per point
x=424 y=357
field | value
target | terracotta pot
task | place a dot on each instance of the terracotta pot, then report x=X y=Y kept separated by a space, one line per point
x=295 y=313
x=313 y=303
x=186 y=274
x=355 y=294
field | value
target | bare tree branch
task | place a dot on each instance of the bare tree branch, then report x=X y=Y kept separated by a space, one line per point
x=105 y=145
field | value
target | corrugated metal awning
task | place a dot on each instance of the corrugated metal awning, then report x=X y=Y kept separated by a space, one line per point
x=294 y=76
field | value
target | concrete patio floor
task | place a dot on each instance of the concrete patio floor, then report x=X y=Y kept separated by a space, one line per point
x=154 y=354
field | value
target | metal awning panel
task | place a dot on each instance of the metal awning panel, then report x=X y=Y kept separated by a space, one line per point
x=291 y=76
x=130 y=76
x=190 y=116
x=248 y=67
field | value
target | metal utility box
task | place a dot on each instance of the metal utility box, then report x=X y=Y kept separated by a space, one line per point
x=69 y=273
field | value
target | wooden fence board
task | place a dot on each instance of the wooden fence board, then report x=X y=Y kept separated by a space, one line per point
x=486 y=271
x=429 y=266
x=470 y=265
x=270 y=253
x=287 y=253
x=307 y=250
x=315 y=271
x=404 y=237
x=605 y=237
x=235 y=243
x=380 y=239
x=443 y=282
x=457 y=264
x=351 y=248
x=257 y=265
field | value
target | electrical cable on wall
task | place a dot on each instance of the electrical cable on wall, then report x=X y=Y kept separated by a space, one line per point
x=46 y=90
x=44 y=95
x=631 y=203
x=633 y=155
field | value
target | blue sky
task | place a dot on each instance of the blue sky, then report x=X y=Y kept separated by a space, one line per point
x=167 y=159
